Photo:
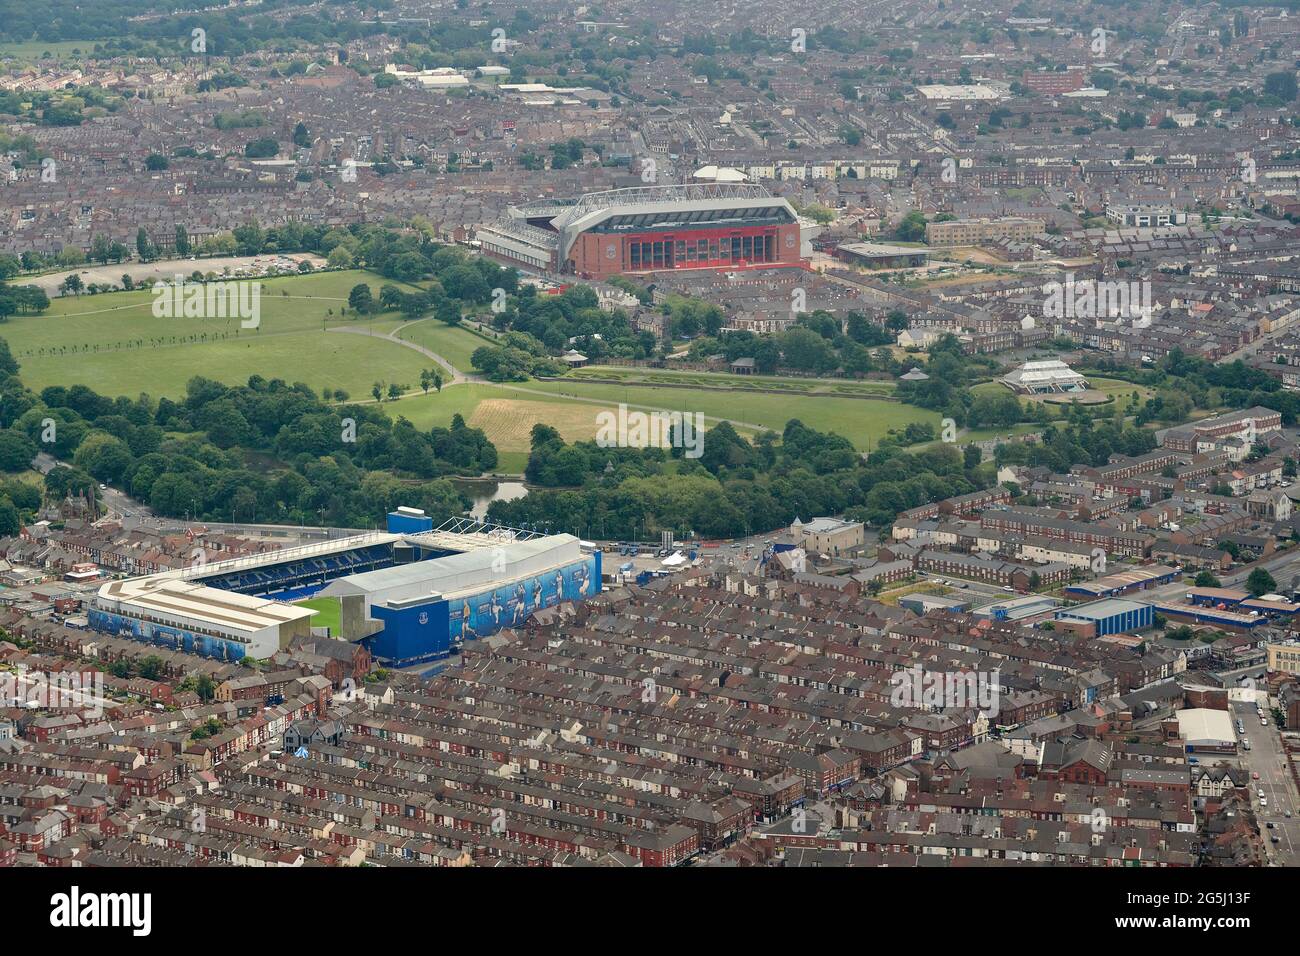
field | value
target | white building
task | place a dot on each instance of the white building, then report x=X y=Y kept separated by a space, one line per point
x=1045 y=377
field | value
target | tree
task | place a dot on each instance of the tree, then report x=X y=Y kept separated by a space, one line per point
x=71 y=283
x=10 y=520
x=144 y=246
x=205 y=687
x=1260 y=582
x=263 y=147
x=360 y=298
x=1206 y=580
x=182 y=241
x=912 y=228
x=1282 y=85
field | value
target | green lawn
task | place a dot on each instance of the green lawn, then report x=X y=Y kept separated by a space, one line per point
x=452 y=343
x=863 y=421
x=728 y=381
x=28 y=51
x=328 y=611
x=1116 y=388
x=115 y=345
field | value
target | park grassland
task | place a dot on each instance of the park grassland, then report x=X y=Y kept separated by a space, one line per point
x=1119 y=391
x=29 y=51
x=114 y=344
x=454 y=344
x=507 y=411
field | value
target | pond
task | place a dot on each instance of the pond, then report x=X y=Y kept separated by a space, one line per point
x=484 y=491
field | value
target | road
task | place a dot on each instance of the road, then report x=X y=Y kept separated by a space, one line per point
x=457 y=377
x=1267 y=758
x=1287 y=563
x=115 y=502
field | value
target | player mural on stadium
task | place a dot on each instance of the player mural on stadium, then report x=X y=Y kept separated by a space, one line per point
x=511 y=604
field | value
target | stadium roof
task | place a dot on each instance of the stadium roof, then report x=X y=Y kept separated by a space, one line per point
x=221 y=610
x=459 y=573
x=685 y=203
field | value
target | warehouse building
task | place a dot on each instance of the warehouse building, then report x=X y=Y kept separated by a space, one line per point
x=1111 y=616
x=1202 y=728
x=1212 y=616
x=926 y=603
x=1123 y=582
x=1029 y=608
x=875 y=255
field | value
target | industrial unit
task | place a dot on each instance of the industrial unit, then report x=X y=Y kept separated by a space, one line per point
x=1111 y=616
x=1123 y=582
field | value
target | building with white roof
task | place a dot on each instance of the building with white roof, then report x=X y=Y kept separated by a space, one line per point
x=1045 y=377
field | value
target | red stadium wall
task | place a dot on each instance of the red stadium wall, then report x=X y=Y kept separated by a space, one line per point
x=596 y=256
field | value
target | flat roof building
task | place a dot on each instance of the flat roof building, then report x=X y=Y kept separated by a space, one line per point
x=1202 y=727
x=875 y=255
x=1123 y=582
x=1111 y=616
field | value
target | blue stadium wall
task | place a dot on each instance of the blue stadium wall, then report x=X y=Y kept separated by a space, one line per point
x=428 y=632
x=172 y=638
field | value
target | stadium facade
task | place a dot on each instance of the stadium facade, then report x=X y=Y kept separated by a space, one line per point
x=412 y=594
x=717 y=225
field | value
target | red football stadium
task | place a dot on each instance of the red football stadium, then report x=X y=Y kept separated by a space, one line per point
x=648 y=229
